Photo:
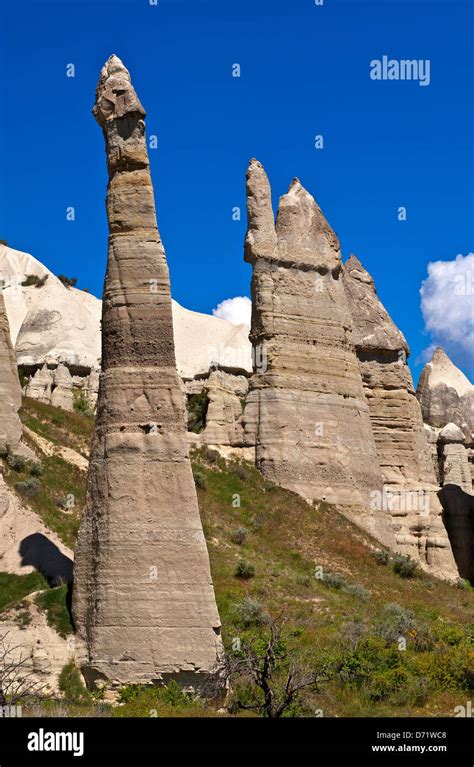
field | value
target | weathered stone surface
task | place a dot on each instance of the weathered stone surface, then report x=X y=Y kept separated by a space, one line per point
x=225 y=394
x=143 y=603
x=39 y=385
x=61 y=389
x=453 y=457
x=445 y=394
x=306 y=411
x=402 y=448
x=10 y=390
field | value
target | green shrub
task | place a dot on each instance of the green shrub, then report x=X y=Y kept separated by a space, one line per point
x=404 y=566
x=249 y=612
x=70 y=683
x=395 y=622
x=28 y=487
x=36 y=469
x=380 y=556
x=54 y=602
x=197 y=405
x=15 y=462
x=238 y=536
x=81 y=405
x=240 y=471
x=33 y=279
x=199 y=477
x=333 y=580
x=244 y=570
x=68 y=282
x=357 y=590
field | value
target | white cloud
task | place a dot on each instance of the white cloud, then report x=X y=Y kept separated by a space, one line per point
x=447 y=303
x=235 y=310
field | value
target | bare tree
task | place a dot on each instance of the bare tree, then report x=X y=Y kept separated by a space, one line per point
x=278 y=674
x=17 y=680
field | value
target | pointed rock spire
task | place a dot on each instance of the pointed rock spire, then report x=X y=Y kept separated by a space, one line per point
x=400 y=438
x=304 y=235
x=446 y=394
x=143 y=603
x=306 y=373
x=260 y=240
x=373 y=327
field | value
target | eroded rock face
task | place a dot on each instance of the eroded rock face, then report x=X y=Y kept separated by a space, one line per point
x=306 y=411
x=61 y=390
x=454 y=463
x=403 y=451
x=10 y=390
x=144 y=603
x=445 y=394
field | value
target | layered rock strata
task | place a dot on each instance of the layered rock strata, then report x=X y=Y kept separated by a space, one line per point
x=143 y=602
x=402 y=448
x=306 y=411
x=454 y=463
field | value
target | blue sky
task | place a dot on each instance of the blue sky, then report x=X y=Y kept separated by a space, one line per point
x=304 y=71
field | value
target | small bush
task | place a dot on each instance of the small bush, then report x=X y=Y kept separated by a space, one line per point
x=199 y=478
x=36 y=470
x=333 y=580
x=33 y=280
x=357 y=590
x=404 y=566
x=244 y=570
x=380 y=556
x=395 y=621
x=212 y=456
x=197 y=405
x=68 y=282
x=70 y=683
x=303 y=580
x=28 y=487
x=15 y=462
x=81 y=405
x=240 y=471
x=238 y=536
x=249 y=612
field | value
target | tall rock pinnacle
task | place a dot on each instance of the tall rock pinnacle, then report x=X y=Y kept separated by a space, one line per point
x=10 y=390
x=143 y=603
x=306 y=411
x=401 y=444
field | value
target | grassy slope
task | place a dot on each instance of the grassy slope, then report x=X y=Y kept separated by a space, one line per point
x=286 y=540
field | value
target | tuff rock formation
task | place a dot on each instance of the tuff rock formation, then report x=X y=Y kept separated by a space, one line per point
x=10 y=390
x=39 y=385
x=445 y=394
x=143 y=601
x=402 y=448
x=454 y=464
x=306 y=411
x=62 y=388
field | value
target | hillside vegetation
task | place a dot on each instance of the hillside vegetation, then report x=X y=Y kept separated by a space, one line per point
x=382 y=638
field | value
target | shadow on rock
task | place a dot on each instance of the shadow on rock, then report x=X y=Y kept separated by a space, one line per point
x=38 y=551
x=458 y=518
